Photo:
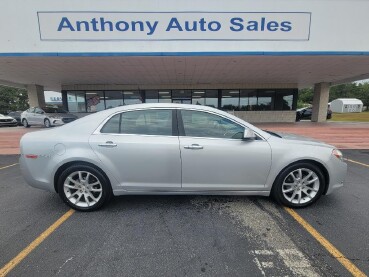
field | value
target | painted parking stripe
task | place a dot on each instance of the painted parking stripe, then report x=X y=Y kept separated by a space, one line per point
x=356 y=162
x=327 y=245
x=8 y=166
x=33 y=245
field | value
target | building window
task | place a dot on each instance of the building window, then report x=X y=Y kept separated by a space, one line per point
x=248 y=100
x=266 y=100
x=181 y=96
x=95 y=101
x=207 y=97
x=113 y=99
x=284 y=100
x=230 y=100
x=76 y=101
x=165 y=96
x=151 y=96
x=132 y=97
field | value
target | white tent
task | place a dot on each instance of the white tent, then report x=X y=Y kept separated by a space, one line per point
x=347 y=105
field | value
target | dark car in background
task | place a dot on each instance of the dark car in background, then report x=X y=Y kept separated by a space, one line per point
x=305 y=113
x=17 y=116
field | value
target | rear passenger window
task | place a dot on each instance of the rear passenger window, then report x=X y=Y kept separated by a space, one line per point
x=112 y=126
x=143 y=122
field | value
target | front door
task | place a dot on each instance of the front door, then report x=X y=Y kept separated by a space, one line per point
x=214 y=156
x=141 y=149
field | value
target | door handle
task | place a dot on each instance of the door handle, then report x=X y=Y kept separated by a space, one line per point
x=108 y=144
x=194 y=146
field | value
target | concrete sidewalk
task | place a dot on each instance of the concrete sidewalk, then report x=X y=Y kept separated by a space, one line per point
x=343 y=135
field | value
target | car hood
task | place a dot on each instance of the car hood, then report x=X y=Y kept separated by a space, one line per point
x=293 y=138
x=63 y=115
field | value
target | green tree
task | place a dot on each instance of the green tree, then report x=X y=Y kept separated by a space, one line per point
x=13 y=99
x=350 y=90
x=305 y=97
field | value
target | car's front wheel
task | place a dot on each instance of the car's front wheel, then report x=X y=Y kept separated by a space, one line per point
x=47 y=123
x=84 y=188
x=299 y=185
x=25 y=123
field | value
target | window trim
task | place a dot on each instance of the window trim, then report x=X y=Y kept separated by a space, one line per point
x=179 y=122
x=182 y=132
x=174 y=123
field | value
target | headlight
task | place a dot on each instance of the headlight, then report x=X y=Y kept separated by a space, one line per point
x=14 y=120
x=55 y=117
x=338 y=154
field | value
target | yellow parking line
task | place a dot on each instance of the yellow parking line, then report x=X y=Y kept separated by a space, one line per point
x=8 y=166
x=26 y=251
x=327 y=245
x=355 y=162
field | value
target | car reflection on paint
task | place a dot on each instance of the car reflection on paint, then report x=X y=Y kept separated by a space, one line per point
x=176 y=149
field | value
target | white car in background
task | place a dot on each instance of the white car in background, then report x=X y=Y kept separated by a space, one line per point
x=7 y=121
x=46 y=116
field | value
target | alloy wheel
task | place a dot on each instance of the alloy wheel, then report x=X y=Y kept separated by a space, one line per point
x=83 y=189
x=300 y=186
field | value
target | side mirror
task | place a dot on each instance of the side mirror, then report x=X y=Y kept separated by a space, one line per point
x=249 y=134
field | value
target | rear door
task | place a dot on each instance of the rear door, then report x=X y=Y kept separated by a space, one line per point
x=215 y=157
x=141 y=148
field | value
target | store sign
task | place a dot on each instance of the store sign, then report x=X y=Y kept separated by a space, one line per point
x=174 y=26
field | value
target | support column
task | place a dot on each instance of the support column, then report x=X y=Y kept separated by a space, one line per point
x=36 y=97
x=320 y=102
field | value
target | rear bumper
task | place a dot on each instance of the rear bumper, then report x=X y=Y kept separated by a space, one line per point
x=30 y=178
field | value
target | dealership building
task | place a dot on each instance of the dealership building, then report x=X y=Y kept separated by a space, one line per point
x=246 y=57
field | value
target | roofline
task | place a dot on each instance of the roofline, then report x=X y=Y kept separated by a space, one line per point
x=185 y=54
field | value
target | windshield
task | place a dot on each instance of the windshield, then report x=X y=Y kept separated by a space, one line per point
x=54 y=110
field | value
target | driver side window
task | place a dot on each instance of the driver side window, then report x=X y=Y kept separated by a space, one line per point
x=202 y=124
x=38 y=111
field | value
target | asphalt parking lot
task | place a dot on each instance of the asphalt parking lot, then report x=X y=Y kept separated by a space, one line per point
x=183 y=235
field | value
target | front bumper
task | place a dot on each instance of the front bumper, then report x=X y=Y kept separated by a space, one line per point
x=13 y=123
x=337 y=174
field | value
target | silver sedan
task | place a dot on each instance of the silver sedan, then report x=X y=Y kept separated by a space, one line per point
x=176 y=149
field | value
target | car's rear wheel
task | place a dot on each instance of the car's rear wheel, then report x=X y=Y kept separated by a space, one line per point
x=299 y=185
x=84 y=188
x=47 y=123
x=25 y=123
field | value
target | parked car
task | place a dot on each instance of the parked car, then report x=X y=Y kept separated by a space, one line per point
x=17 y=116
x=7 y=120
x=46 y=116
x=176 y=149
x=305 y=113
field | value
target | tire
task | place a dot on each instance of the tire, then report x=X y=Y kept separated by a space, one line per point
x=47 y=123
x=83 y=196
x=289 y=181
x=25 y=123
